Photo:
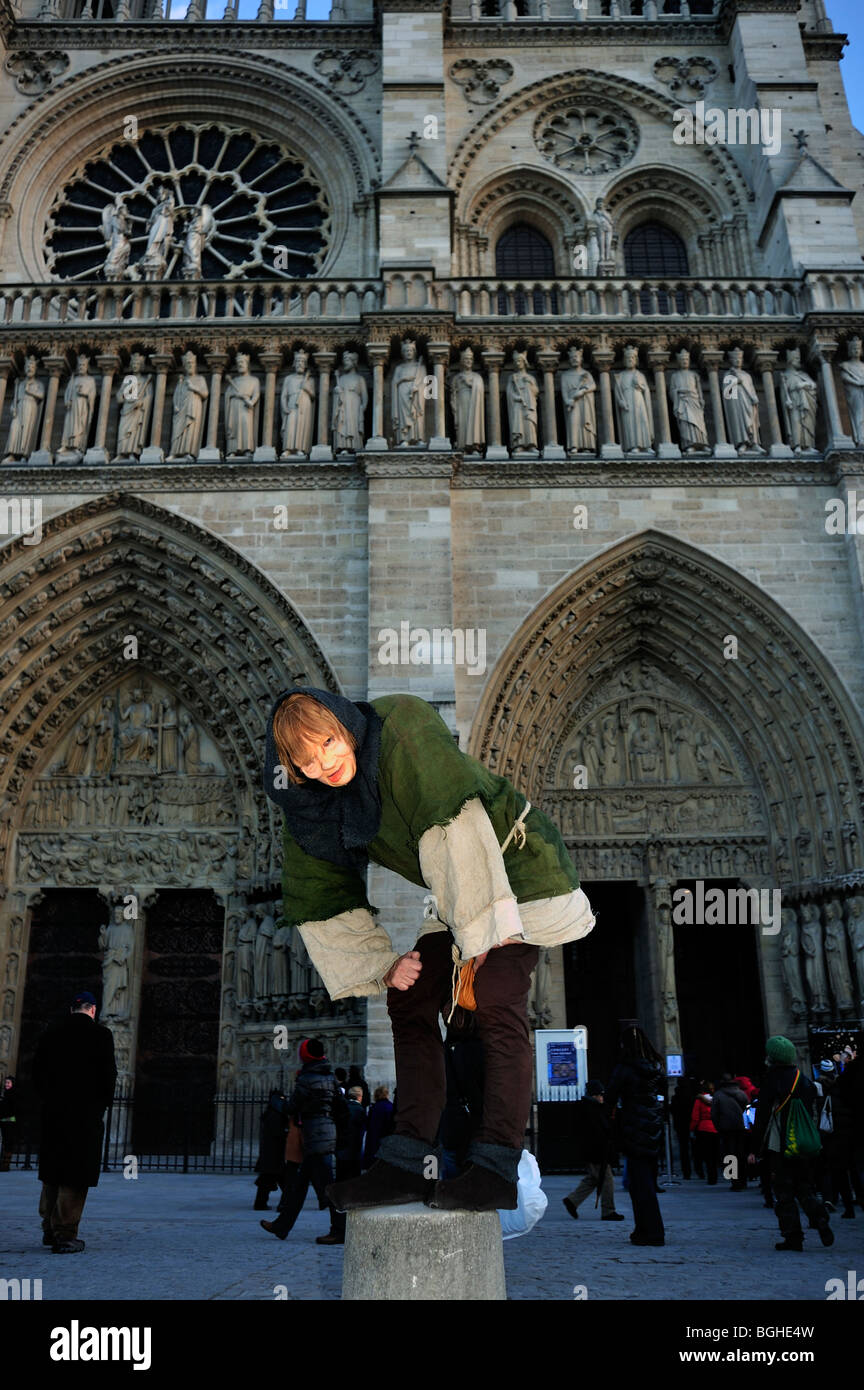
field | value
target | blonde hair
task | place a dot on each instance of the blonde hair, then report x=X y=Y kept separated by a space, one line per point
x=299 y=721
x=381 y=1093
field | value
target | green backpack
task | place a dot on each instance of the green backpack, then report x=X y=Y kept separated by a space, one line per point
x=802 y=1136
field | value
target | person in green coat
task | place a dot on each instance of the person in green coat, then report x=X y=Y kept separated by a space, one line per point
x=384 y=782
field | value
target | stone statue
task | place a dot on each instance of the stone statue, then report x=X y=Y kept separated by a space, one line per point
x=190 y=393
x=117 y=942
x=281 y=981
x=835 y=955
x=467 y=396
x=241 y=397
x=522 y=393
x=27 y=401
x=169 y=751
x=135 y=396
x=646 y=751
x=541 y=1003
x=407 y=398
x=633 y=399
x=137 y=743
x=349 y=406
x=299 y=964
x=80 y=400
x=741 y=405
x=604 y=229
x=190 y=745
x=591 y=754
x=160 y=238
x=611 y=763
x=686 y=742
x=688 y=405
x=855 y=931
x=263 y=955
x=199 y=231
x=790 y=963
x=852 y=372
x=115 y=230
x=298 y=407
x=814 y=967
x=578 y=389
x=244 y=959
x=80 y=747
x=799 y=399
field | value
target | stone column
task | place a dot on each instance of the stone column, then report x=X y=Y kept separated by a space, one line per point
x=603 y=359
x=324 y=362
x=54 y=365
x=439 y=355
x=162 y=362
x=494 y=448
x=822 y=350
x=713 y=358
x=217 y=362
x=547 y=360
x=412 y=1254
x=766 y=361
x=270 y=361
x=108 y=363
x=377 y=356
x=661 y=958
x=665 y=448
x=15 y=915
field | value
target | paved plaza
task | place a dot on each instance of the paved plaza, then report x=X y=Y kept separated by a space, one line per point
x=169 y=1236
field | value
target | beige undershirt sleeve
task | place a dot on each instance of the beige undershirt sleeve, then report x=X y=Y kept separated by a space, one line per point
x=351 y=953
x=463 y=866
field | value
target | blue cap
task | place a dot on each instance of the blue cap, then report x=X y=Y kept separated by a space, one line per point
x=83 y=997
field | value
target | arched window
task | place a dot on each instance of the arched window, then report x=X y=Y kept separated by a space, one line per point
x=523 y=253
x=653 y=250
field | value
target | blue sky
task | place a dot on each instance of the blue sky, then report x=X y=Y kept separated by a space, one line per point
x=847 y=16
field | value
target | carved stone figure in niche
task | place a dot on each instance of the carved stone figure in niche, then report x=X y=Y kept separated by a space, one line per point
x=741 y=405
x=117 y=943
x=522 y=393
x=199 y=231
x=27 y=401
x=710 y=760
x=688 y=405
x=80 y=400
x=244 y=960
x=137 y=743
x=855 y=930
x=467 y=396
x=541 y=1005
x=350 y=395
x=852 y=372
x=241 y=397
x=190 y=743
x=612 y=767
x=281 y=981
x=635 y=412
x=160 y=238
x=603 y=227
x=263 y=954
x=835 y=955
x=190 y=393
x=169 y=752
x=814 y=967
x=799 y=399
x=115 y=231
x=297 y=401
x=666 y=965
x=77 y=762
x=591 y=754
x=686 y=743
x=578 y=389
x=135 y=395
x=407 y=398
x=646 y=751
x=299 y=964
x=790 y=963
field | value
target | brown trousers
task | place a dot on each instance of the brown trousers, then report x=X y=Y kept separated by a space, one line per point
x=501 y=990
x=61 y=1209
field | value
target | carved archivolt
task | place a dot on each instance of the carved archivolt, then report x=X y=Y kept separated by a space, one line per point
x=524 y=195
x=793 y=740
x=210 y=628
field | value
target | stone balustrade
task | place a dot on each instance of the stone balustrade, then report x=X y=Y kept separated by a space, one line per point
x=270 y=11
x=328 y=394
x=323 y=301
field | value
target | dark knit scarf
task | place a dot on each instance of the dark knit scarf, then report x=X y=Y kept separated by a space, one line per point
x=332 y=823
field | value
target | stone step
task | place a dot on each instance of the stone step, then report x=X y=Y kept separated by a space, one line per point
x=414 y=1253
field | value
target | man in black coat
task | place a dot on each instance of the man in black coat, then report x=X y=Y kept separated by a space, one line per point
x=727 y=1116
x=74 y=1074
x=791 y=1178
x=593 y=1137
x=638 y=1083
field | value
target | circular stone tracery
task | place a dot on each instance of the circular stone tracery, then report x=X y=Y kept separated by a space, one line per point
x=270 y=216
x=589 y=139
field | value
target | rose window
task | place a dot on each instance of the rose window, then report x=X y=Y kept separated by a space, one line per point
x=195 y=202
x=587 y=139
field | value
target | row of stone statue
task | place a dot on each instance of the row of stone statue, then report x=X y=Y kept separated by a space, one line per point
x=342 y=409
x=830 y=973
x=270 y=964
x=162 y=246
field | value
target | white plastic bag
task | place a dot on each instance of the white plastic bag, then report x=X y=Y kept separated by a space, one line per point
x=530 y=1196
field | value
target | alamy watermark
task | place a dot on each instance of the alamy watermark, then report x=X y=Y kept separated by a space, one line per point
x=727 y=907
x=734 y=126
x=21 y=516
x=438 y=646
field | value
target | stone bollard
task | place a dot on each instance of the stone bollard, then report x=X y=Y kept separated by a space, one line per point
x=417 y=1254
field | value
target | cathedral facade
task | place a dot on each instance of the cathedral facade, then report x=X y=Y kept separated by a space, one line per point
x=505 y=352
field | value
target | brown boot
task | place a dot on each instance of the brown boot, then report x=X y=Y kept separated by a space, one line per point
x=477 y=1189
x=382 y=1185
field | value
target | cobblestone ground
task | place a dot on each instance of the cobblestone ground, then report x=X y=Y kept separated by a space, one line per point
x=169 y=1236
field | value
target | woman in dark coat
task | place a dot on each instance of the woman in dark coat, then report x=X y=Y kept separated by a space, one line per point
x=270 y=1166
x=637 y=1083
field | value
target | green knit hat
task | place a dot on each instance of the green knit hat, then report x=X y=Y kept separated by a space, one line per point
x=780 y=1051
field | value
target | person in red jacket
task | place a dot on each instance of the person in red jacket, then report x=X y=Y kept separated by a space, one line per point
x=705 y=1137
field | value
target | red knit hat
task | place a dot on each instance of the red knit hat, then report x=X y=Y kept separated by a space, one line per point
x=311 y=1050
